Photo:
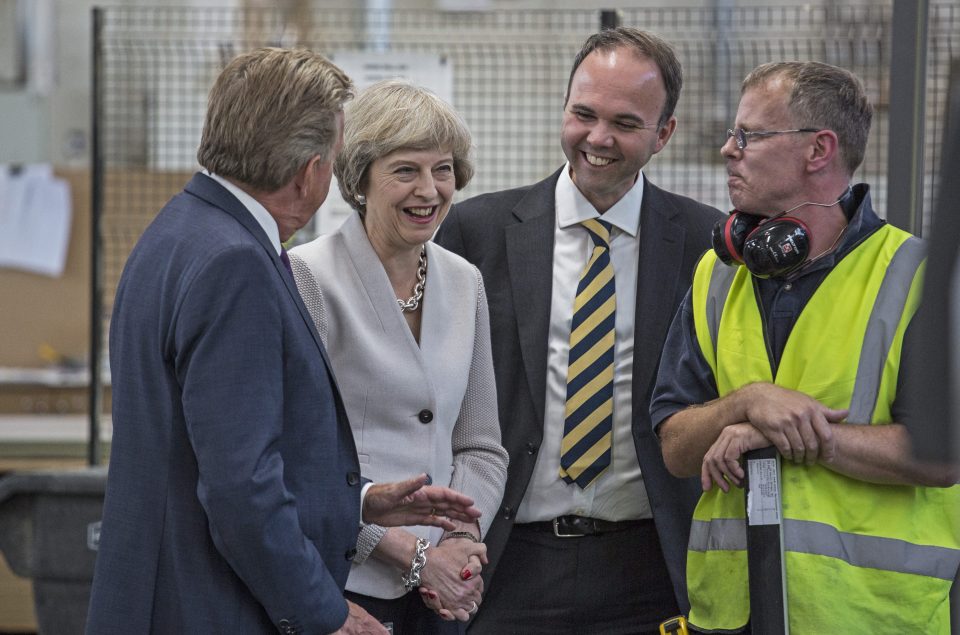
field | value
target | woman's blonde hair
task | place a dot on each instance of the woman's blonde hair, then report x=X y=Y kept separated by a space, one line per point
x=398 y=115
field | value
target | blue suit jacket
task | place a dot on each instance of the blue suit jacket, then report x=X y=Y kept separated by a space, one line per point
x=233 y=495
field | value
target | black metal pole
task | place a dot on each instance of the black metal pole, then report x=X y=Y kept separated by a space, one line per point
x=766 y=569
x=609 y=19
x=96 y=257
x=933 y=382
x=908 y=73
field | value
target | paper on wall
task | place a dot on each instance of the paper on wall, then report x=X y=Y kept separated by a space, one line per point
x=35 y=218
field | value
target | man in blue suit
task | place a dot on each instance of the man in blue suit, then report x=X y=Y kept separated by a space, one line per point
x=234 y=493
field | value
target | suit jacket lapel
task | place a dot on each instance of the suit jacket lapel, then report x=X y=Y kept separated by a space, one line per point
x=530 y=265
x=376 y=285
x=661 y=257
x=209 y=190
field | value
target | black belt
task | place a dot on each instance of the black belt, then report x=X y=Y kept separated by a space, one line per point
x=578 y=526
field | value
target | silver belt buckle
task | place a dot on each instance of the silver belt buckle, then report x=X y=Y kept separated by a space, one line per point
x=556 y=531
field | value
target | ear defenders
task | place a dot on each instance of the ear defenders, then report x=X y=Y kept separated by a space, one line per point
x=768 y=247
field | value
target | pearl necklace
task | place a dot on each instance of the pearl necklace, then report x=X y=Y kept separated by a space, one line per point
x=413 y=302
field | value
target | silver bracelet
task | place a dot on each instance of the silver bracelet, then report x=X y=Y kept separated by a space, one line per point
x=412 y=580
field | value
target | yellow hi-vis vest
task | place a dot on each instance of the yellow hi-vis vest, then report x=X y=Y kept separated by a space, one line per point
x=859 y=557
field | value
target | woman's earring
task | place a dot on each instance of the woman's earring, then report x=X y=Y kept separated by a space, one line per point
x=361 y=199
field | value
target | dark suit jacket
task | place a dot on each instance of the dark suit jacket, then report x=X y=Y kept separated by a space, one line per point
x=509 y=236
x=233 y=493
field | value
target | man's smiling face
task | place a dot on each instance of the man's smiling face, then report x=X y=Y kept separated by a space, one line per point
x=609 y=129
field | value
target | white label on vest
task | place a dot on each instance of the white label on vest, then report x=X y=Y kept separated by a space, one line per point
x=763 y=497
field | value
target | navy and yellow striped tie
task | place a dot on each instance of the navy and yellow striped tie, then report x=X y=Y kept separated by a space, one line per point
x=588 y=424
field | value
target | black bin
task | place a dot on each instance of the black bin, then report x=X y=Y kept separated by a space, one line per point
x=49 y=531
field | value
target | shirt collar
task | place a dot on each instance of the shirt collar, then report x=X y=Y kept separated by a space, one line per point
x=863 y=221
x=574 y=208
x=259 y=212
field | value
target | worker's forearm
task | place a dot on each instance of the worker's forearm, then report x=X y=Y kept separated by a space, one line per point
x=882 y=454
x=687 y=435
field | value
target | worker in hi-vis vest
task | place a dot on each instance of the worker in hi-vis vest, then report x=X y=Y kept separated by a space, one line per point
x=792 y=336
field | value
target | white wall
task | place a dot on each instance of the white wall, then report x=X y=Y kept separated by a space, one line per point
x=55 y=126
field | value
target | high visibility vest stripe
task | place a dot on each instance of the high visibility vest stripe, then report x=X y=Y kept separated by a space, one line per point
x=719 y=534
x=820 y=539
x=720 y=283
x=874 y=552
x=881 y=331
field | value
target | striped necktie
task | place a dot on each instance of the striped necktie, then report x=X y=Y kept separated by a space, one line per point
x=588 y=424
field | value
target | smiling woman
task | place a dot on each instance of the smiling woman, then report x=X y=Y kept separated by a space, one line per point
x=408 y=194
x=405 y=325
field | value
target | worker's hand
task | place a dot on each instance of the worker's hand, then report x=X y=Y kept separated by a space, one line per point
x=721 y=463
x=797 y=424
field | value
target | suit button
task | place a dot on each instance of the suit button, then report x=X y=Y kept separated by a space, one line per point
x=285 y=626
x=352 y=478
x=425 y=416
x=531 y=448
x=350 y=554
x=506 y=512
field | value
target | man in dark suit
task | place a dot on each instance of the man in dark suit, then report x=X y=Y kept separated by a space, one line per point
x=594 y=542
x=234 y=492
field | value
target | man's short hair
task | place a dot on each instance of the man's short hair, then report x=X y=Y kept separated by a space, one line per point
x=397 y=115
x=825 y=97
x=270 y=111
x=643 y=44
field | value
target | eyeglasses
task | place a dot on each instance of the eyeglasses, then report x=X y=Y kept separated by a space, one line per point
x=741 y=135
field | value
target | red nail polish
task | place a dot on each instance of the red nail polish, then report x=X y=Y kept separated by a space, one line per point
x=466 y=575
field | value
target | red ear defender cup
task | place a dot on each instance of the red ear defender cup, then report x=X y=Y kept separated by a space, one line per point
x=729 y=236
x=777 y=247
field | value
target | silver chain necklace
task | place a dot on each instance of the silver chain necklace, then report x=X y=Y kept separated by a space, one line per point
x=413 y=302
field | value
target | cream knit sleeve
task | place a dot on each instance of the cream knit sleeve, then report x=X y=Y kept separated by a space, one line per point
x=479 y=459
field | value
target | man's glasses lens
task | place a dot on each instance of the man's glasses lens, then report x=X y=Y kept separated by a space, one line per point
x=739 y=136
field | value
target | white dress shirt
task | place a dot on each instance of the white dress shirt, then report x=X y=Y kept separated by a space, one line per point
x=618 y=493
x=259 y=212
